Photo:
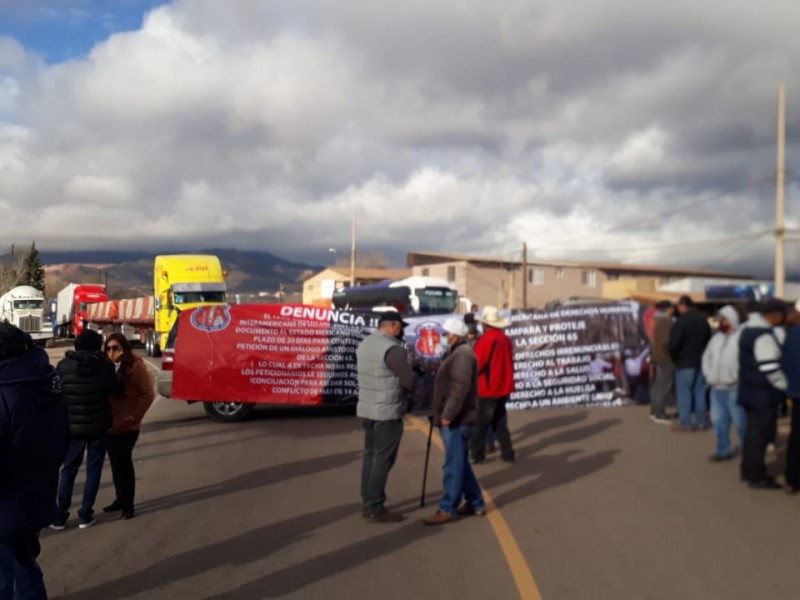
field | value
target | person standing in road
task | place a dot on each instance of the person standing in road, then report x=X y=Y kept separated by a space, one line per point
x=762 y=386
x=663 y=388
x=790 y=363
x=687 y=342
x=494 y=353
x=130 y=402
x=455 y=412
x=721 y=370
x=87 y=379
x=34 y=436
x=384 y=381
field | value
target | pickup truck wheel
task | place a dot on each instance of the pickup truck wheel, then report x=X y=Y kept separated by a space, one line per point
x=227 y=412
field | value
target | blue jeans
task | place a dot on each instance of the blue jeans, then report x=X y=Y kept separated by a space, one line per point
x=724 y=411
x=95 y=455
x=459 y=480
x=20 y=575
x=690 y=392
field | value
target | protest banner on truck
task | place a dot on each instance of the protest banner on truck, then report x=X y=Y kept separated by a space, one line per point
x=297 y=354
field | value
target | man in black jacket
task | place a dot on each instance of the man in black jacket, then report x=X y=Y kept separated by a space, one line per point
x=687 y=342
x=87 y=379
x=34 y=435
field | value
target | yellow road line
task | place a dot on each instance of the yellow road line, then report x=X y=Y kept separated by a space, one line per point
x=523 y=578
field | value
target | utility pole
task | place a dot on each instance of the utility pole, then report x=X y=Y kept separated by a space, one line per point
x=510 y=286
x=353 y=254
x=524 y=276
x=780 y=230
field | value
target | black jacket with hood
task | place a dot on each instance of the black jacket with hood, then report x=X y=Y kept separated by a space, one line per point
x=87 y=380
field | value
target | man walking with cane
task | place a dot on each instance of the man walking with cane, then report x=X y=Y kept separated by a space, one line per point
x=384 y=379
x=455 y=403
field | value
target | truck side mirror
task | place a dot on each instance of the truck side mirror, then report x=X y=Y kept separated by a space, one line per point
x=158 y=303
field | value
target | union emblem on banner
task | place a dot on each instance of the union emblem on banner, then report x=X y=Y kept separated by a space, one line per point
x=211 y=318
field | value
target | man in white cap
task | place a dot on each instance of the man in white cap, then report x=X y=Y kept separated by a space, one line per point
x=455 y=408
x=494 y=353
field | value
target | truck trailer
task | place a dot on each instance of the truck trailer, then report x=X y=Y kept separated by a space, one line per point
x=23 y=307
x=71 y=305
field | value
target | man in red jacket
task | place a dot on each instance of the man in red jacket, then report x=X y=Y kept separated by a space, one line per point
x=494 y=352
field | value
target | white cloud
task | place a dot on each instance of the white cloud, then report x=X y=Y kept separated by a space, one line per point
x=453 y=125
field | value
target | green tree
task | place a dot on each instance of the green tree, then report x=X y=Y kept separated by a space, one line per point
x=32 y=271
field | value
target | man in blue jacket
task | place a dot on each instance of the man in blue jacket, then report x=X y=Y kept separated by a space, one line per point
x=34 y=436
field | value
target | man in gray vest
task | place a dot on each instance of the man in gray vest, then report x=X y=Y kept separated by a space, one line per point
x=384 y=380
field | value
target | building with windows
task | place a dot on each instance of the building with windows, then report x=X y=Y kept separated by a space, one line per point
x=499 y=282
x=318 y=289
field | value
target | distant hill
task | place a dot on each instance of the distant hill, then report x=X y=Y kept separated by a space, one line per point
x=127 y=273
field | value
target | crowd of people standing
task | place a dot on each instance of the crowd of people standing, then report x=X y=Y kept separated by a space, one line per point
x=748 y=369
x=90 y=404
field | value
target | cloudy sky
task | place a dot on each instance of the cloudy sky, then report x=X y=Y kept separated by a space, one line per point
x=619 y=129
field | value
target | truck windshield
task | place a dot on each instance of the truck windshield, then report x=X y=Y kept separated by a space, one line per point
x=28 y=304
x=195 y=297
x=437 y=301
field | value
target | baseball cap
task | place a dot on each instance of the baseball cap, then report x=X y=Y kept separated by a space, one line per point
x=392 y=317
x=455 y=326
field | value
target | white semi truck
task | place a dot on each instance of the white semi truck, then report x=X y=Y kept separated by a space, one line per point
x=23 y=307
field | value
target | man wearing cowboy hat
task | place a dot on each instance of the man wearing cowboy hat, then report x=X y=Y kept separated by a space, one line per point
x=494 y=352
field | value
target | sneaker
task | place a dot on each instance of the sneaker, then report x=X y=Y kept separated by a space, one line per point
x=467 y=510
x=661 y=420
x=439 y=518
x=58 y=525
x=718 y=458
x=85 y=524
x=385 y=516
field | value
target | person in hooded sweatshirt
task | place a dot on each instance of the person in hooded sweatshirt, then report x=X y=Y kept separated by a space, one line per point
x=87 y=379
x=34 y=436
x=721 y=371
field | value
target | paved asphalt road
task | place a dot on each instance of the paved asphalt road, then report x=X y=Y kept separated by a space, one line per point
x=602 y=504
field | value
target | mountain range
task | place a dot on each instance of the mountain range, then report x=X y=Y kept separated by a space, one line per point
x=252 y=274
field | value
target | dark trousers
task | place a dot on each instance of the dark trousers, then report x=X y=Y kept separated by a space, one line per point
x=120 y=455
x=381 y=442
x=95 y=456
x=20 y=575
x=491 y=411
x=761 y=423
x=793 y=450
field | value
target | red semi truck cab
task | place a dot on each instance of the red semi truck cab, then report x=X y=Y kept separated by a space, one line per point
x=71 y=308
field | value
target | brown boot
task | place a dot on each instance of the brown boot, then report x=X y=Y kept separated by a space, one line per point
x=439 y=518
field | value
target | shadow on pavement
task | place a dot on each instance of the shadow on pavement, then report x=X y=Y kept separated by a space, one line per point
x=296 y=577
x=564 y=437
x=545 y=425
x=252 y=480
x=153 y=426
x=137 y=456
x=237 y=551
x=553 y=470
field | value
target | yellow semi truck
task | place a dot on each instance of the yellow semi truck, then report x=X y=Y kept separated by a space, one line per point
x=181 y=282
